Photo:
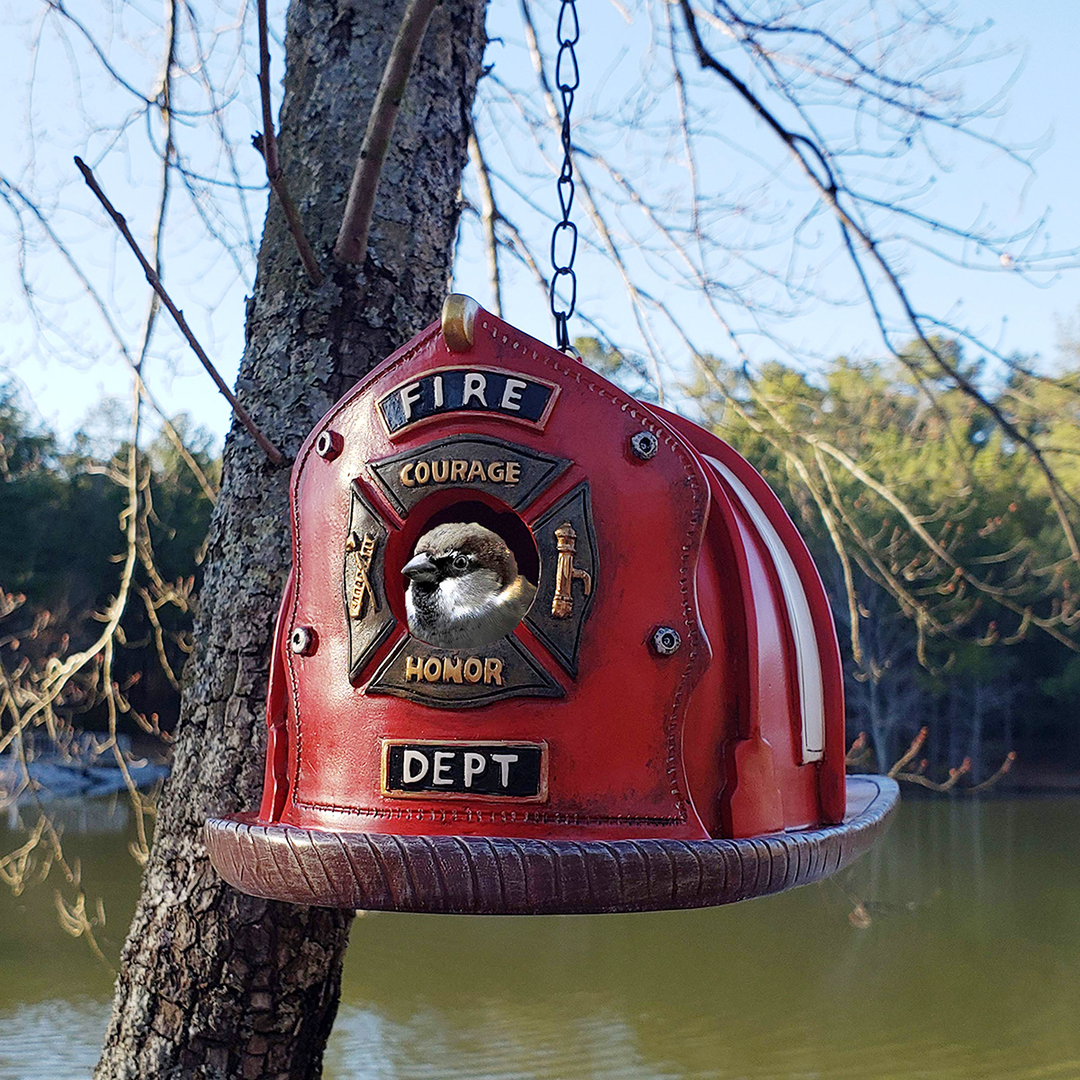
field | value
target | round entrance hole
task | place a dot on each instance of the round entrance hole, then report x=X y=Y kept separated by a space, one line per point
x=471 y=576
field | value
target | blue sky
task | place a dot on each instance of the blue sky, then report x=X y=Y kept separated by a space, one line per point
x=64 y=381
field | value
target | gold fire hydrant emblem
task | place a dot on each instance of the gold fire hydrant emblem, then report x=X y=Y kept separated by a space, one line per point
x=364 y=548
x=566 y=573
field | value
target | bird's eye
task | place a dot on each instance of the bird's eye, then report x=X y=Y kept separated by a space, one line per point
x=461 y=562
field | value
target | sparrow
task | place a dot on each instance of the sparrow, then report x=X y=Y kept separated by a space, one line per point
x=464 y=587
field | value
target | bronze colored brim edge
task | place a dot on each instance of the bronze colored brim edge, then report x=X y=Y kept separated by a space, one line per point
x=476 y=875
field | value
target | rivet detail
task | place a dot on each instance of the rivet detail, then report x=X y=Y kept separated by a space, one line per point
x=329 y=444
x=666 y=641
x=644 y=445
x=458 y=318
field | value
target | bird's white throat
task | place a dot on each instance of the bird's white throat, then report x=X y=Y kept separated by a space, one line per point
x=473 y=596
x=466 y=611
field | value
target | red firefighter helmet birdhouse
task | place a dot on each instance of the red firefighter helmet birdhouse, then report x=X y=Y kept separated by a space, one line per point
x=664 y=726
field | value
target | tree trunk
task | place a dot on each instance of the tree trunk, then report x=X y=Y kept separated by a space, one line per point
x=213 y=983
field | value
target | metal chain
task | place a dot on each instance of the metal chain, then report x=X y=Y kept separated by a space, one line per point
x=567 y=80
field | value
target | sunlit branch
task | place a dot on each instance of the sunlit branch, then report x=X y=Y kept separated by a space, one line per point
x=488 y=216
x=268 y=146
x=911 y=753
x=807 y=154
x=268 y=448
x=351 y=245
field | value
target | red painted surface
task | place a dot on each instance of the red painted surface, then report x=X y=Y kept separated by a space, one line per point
x=702 y=743
x=827 y=807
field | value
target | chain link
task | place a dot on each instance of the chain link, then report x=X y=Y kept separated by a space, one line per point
x=565 y=234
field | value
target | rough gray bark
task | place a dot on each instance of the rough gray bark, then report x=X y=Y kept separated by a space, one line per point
x=213 y=983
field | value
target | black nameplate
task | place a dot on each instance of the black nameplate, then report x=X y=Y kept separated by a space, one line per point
x=483 y=390
x=515 y=474
x=499 y=770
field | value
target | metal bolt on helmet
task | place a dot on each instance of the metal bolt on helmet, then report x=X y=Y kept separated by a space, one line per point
x=302 y=641
x=644 y=445
x=666 y=641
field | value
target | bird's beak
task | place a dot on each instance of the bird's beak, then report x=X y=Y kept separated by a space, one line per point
x=420 y=568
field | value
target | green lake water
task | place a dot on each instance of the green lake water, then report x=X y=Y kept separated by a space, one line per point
x=969 y=969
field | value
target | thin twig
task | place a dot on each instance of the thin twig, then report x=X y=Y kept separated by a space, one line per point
x=810 y=157
x=1006 y=765
x=947 y=785
x=858 y=749
x=208 y=489
x=159 y=637
x=912 y=752
x=351 y=246
x=488 y=216
x=268 y=448
x=268 y=147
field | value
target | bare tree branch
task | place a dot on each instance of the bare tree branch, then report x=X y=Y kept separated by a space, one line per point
x=351 y=245
x=268 y=146
x=242 y=415
x=488 y=216
x=810 y=153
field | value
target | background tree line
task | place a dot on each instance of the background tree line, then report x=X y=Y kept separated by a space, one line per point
x=989 y=671
x=951 y=584
x=64 y=512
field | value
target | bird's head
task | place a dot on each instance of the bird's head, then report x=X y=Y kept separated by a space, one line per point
x=475 y=559
x=464 y=587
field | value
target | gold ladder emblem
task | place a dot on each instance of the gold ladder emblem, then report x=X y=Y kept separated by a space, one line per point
x=362 y=591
